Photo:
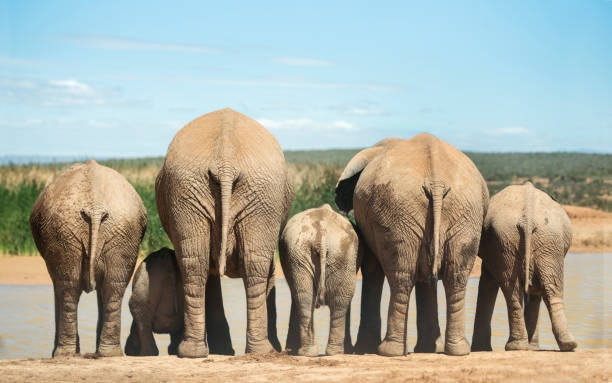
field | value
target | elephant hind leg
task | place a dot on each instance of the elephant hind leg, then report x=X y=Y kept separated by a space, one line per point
x=394 y=344
x=339 y=341
x=217 y=328
x=67 y=296
x=132 y=344
x=305 y=302
x=485 y=304
x=428 y=328
x=554 y=303
x=192 y=255
x=518 y=332
x=373 y=278
x=532 y=313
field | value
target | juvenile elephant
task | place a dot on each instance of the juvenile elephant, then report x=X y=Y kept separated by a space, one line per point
x=88 y=224
x=526 y=235
x=319 y=254
x=419 y=204
x=223 y=195
x=157 y=305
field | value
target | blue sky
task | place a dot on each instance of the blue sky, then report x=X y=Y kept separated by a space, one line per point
x=120 y=78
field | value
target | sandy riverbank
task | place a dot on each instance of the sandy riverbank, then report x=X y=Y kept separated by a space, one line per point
x=592 y=234
x=542 y=366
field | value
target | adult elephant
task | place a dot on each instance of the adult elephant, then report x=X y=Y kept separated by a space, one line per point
x=223 y=196
x=88 y=224
x=419 y=204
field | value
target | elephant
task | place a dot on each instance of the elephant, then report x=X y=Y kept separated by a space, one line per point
x=419 y=204
x=157 y=305
x=87 y=225
x=319 y=253
x=223 y=195
x=526 y=235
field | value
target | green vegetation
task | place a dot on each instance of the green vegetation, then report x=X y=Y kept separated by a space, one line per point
x=571 y=178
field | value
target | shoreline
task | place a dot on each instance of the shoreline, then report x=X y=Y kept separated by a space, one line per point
x=30 y=270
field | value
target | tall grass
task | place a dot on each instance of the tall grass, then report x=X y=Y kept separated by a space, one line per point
x=571 y=178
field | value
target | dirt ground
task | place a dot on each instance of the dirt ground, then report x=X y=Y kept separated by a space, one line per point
x=542 y=366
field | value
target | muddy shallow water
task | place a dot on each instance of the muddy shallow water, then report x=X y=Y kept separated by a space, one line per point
x=27 y=328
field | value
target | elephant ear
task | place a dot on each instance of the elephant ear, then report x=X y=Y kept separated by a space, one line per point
x=345 y=188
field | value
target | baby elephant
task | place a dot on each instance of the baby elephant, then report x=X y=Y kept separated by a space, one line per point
x=319 y=251
x=157 y=307
x=526 y=235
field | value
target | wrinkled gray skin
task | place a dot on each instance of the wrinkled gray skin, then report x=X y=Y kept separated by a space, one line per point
x=156 y=305
x=319 y=254
x=419 y=204
x=223 y=196
x=526 y=235
x=88 y=225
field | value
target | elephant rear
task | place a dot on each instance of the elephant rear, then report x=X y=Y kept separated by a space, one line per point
x=318 y=251
x=88 y=225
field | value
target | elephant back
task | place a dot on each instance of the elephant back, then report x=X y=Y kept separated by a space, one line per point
x=225 y=135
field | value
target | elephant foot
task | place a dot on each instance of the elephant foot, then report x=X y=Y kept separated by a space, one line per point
x=534 y=346
x=366 y=345
x=191 y=349
x=310 y=351
x=460 y=348
x=476 y=347
x=259 y=348
x=567 y=343
x=332 y=350
x=172 y=350
x=109 y=350
x=428 y=347
x=65 y=352
x=391 y=348
x=221 y=348
x=518 y=345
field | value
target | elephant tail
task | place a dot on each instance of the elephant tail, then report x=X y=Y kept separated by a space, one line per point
x=225 y=182
x=527 y=227
x=435 y=190
x=94 y=219
x=323 y=262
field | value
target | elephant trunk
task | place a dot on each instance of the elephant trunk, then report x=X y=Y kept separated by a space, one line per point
x=323 y=263
x=225 y=183
x=436 y=191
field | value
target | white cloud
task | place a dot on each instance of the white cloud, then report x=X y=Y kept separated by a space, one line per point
x=512 y=131
x=72 y=87
x=56 y=92
x=126 y=44
x=306 y=123
x=303 y=62
x=343 y=125
x=22 y=123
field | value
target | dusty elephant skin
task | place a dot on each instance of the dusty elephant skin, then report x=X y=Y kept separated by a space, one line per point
x=88 y=225
x=526 y=235
x=420 y=204
x=223 y=196
x=157 y=307
x=319 y=254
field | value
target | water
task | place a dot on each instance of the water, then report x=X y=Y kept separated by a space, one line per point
x=27 y=325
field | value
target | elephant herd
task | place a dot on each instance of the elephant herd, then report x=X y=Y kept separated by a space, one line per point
x=223 y=194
